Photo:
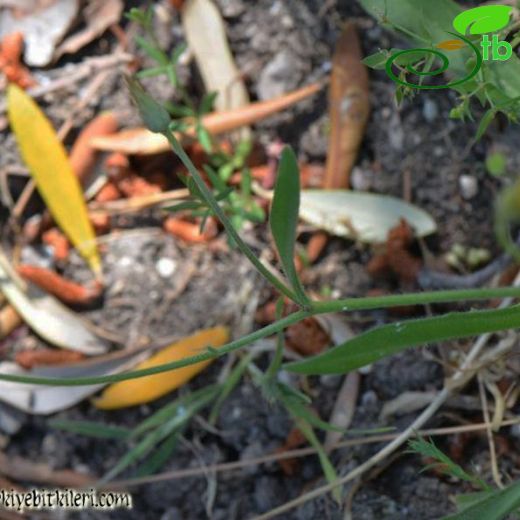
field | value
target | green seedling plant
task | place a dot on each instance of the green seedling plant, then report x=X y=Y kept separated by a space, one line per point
x=424 y=24
x=158 y=438
x=188 y=115
x=485 y=503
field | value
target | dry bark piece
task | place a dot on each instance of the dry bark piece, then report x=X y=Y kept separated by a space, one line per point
x=46 y=356
x=82 y=156
x=396 y=257
x=295 y=439
x=349 y=108
x=307 y=337
x=65 y=290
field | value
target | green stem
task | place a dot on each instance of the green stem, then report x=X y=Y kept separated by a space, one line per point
x=228 y=226
x=349 y=304
x=210 y=353
x=382 y=302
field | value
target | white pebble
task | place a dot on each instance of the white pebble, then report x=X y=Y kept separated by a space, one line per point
x=468 y=186
x=165 y=267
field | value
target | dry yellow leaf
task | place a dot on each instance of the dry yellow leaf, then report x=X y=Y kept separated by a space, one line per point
x=145 y=389
x=47 y=160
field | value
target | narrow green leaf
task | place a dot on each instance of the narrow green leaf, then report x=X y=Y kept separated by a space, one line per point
x=156 y=436
x=206 y=105
x=384 y=341
x=90 y=429
x=299 y=409
x=494 y=507
x=284 y=218
x=484 y=123
x=377 y=60
x=156 y=54
x=151 y=73
x=159 y=457
x=326 y=464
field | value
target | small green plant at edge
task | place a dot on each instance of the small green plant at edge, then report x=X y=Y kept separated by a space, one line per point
x=486 y=503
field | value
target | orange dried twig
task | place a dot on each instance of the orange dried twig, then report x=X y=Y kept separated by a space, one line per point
x=190 y=231
x=349 y=108
x=108 y=193
x=10 y=61
x=46 y=356
x=58 y=241
x=135 y=186
x=82 y=155
x=65 y=290
x=142 y=141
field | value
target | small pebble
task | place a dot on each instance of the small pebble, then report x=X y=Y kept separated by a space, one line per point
x=468 y=186
x=430 y=110
x=165 y=267
x=515 y=431
x=360 y=179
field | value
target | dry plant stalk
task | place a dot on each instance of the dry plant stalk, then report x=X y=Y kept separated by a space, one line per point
x=349 y=108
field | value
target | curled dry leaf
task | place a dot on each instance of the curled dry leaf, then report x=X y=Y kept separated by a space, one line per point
x=349 y=108
x=396 y=256
x=367 y=217
x=44 y=400
x=82 y=156
x=140 y=141
x=65 y=290
x=99 y=16
x=146 y=389
x=46 y=315
x=206 y=36
x=42 y=28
